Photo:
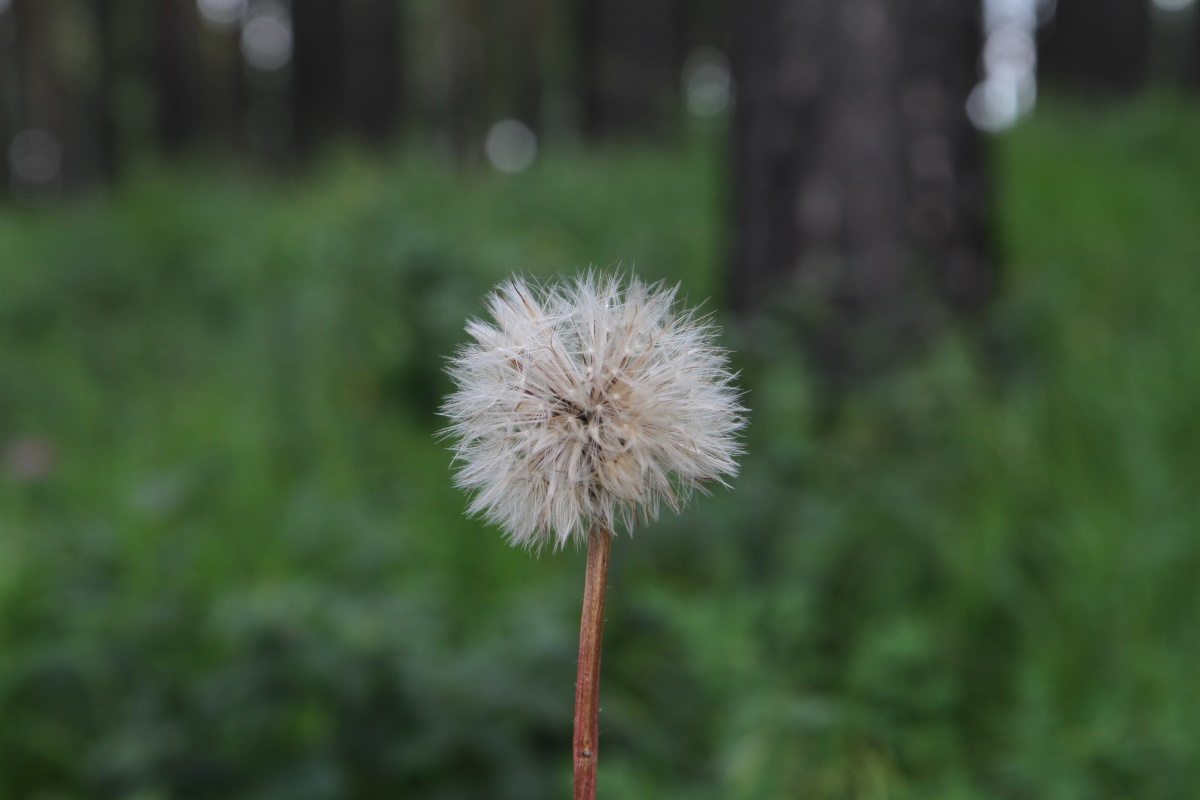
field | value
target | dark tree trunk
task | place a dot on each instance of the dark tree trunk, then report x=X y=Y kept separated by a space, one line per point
x=241 y=97
x=105 y=99
x=28 y=80
x=703 y=23
x=1194 y=49
x=460 y=106
x=10 y=91
x=373 y=91
x=318 y=71
x=1098 y=46
x=527 y=30
x=860 y=186
x=628 y=54
x=35 y=155
x=176 y=74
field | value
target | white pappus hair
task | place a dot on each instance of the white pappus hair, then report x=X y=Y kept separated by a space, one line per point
x=586 y=401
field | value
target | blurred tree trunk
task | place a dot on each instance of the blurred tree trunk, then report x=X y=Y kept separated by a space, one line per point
x=373 y=90
x=493 y=67
x=105 y=96
x=35 y=154
x=461 y=108
x=224 y=83
x=10 y=91
x=1195 y=47
x=318 y=71
x=628 y=54
x=176 y=73
x=27 y=18
x=527 y=32
x=860 y=186
x=704 y=23
x=1096 y=45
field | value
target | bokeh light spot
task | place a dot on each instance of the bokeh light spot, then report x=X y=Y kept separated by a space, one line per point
x=1174 y=5
x=30 y=459
x=511 y=146
x=707 y=82
x=1009 y=48
x=223 y=13
x=267 y=37
x=1008 y=90
x=35 y=165
x=996 y=105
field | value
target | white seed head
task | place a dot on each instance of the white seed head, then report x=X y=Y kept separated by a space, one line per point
x=586 y=402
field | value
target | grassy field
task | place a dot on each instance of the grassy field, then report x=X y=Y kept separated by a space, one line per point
x=232 y=564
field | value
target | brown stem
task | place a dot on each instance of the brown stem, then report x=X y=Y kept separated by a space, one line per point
x=587 y=683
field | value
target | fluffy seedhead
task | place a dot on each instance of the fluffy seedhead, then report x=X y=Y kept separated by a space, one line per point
x=586 y=402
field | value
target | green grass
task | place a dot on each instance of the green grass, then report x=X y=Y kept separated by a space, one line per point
x=248 y=575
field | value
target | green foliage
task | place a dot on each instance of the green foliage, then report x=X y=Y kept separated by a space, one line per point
x=247 y=575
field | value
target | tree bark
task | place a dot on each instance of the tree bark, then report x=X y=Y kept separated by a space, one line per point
x=860 y=186
x=1098 y=46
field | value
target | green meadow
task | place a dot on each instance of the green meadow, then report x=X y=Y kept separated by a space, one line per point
x=233 y=564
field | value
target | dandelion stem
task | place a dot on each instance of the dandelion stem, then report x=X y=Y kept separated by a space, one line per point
x=587 y=683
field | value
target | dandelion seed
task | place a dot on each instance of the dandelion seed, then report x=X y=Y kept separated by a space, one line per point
x=666 y=425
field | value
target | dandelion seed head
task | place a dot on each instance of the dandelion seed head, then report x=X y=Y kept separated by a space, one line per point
x=590 y=401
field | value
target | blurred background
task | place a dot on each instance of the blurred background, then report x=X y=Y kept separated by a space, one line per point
x=953 y=244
